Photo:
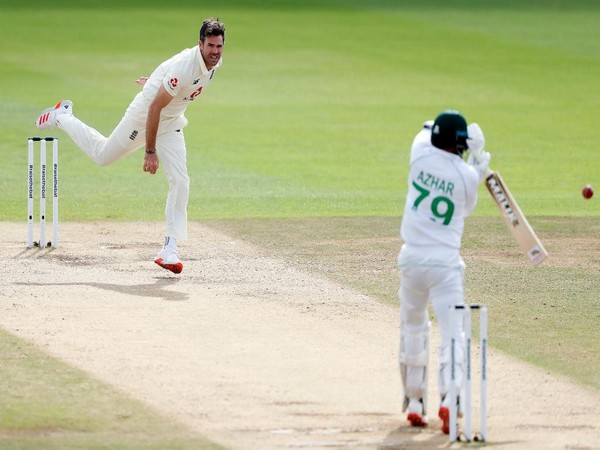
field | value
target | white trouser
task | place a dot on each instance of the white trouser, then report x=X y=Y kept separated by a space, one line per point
x=442 y=285
x=128 y=136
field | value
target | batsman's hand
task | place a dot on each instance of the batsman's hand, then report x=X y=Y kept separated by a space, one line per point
x=151 y=163
x=481 y=163
x=476 y=140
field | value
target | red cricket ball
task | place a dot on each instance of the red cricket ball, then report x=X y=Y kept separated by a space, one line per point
x=587 y=191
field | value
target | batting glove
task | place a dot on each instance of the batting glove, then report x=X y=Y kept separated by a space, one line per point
x=476 y=140
x=481 y=163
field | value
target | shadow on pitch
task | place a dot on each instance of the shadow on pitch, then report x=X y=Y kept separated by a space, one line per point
x=149 y=290
x=430 y=438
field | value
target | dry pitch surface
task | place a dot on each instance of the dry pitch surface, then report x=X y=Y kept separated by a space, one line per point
x=251 y=351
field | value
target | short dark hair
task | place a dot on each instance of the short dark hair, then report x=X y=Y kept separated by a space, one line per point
x=212 y=27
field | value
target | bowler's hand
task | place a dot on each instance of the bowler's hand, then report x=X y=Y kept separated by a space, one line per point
x=141 y=80
x=151 y=163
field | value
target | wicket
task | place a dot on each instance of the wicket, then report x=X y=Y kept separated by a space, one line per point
x=30 y=191
x=465 y=397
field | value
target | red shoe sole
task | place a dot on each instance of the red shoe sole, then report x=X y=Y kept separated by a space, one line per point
x=444 y=415
x=175 y=268
x=416 y=420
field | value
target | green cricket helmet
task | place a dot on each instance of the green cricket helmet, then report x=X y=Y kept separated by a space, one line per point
x=449 y=131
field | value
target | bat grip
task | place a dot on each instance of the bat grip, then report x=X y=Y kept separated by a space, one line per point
x=478 y=155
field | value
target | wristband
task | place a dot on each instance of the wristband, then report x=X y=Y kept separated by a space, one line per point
x=150 y=151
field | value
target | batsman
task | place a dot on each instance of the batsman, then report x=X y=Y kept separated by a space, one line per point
x=442 y=192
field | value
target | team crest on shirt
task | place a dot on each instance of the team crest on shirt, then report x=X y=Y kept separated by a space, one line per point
x=173 y=83
x=194 y=94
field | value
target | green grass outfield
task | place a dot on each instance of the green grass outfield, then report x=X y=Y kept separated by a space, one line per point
x=311 y=117
x=314 y=109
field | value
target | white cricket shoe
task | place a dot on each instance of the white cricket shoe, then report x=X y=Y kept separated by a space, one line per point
x=48 y=117
x=416 y=415
x=168 y=258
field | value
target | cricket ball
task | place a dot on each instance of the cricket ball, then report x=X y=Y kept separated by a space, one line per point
x=587 y=191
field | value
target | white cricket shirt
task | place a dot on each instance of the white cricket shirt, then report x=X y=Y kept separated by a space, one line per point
x=442 y=191
x=184 y=76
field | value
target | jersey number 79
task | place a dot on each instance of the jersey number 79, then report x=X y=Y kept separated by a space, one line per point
x=441 y=207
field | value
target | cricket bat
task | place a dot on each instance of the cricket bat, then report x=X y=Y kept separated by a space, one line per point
x=514 y=218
